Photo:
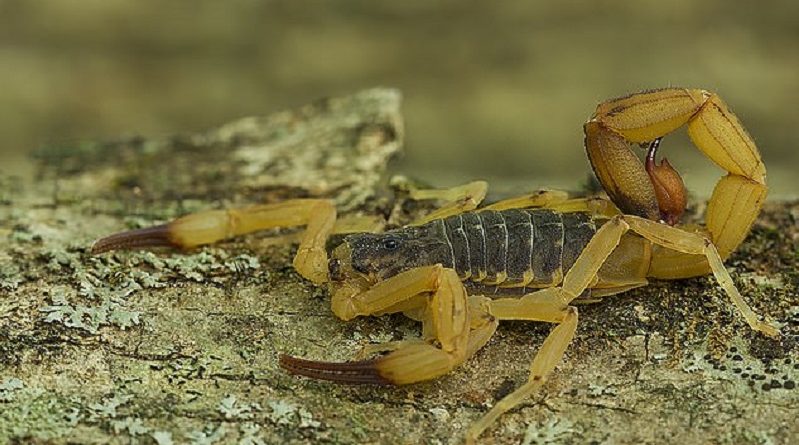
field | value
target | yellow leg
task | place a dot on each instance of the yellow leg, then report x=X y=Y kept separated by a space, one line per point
x=596 y=206
x=460 y=199
x=545 y=361
x=552 y=304
x=557 y=200
x=583 y=272
x=359 y=224
x=541 y=198
x=467 y=197
x=544 y=305
x=695 y=244
x=483 y=324
x=449 y=322
x=207 y=227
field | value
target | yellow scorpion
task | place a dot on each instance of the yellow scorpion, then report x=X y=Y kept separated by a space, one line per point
x=461 y=270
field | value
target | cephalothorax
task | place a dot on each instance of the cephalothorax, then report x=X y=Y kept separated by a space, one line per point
x=460 y=270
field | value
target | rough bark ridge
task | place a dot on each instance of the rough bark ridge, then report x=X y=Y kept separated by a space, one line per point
x=168 y=347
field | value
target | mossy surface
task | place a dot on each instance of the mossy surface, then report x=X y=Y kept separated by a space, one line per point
x=168 y=347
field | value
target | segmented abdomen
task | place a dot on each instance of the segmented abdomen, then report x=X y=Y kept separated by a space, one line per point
x=516 y=248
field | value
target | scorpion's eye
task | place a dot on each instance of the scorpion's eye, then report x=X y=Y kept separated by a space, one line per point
x=334 y=267
x=391 y=243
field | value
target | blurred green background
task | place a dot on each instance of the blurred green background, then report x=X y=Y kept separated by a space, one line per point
x=492 y=90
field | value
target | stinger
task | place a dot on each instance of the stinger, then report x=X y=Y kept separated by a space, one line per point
x=669 y=187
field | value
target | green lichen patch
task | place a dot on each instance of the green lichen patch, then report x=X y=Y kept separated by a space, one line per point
x=36 y=414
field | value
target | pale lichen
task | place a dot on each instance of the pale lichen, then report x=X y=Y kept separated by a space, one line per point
x=8 y=387
x=553 y=431
x=233 y=409
x=209 y=435
x=36 y=413
x=162 y=437
x=132 y=426
x=250 y=434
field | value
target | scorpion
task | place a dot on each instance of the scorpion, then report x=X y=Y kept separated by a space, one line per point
x=461 y=269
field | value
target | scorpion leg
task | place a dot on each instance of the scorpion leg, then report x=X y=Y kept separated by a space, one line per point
x=210 y=226
x=447 y=312
x=557 y=200
x=696 y=244
x=483 y=324
x=608 y=236
x=467 y=197
x=359 y=224
x=544 y=305
x=462 y=198
x=540 y=198
x=552 y=305
x=596 y=206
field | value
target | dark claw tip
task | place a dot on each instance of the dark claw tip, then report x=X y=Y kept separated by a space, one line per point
x=156 y=236
x=362 y=372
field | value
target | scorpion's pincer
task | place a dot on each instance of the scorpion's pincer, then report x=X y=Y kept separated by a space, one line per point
x=358 y=372
x=156 y=236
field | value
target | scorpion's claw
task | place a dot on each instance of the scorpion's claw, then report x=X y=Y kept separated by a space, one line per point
x=156 y=236
x=185 y=232
x=360 y=372
x=410 y=362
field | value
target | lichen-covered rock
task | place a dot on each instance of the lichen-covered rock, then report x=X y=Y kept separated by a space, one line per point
x=167 y=347
x=334 y=148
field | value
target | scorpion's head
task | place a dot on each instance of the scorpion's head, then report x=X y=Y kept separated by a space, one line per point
x=377 y=256
x=364 y=259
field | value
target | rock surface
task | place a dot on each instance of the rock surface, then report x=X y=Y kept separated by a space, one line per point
x=165 y=347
